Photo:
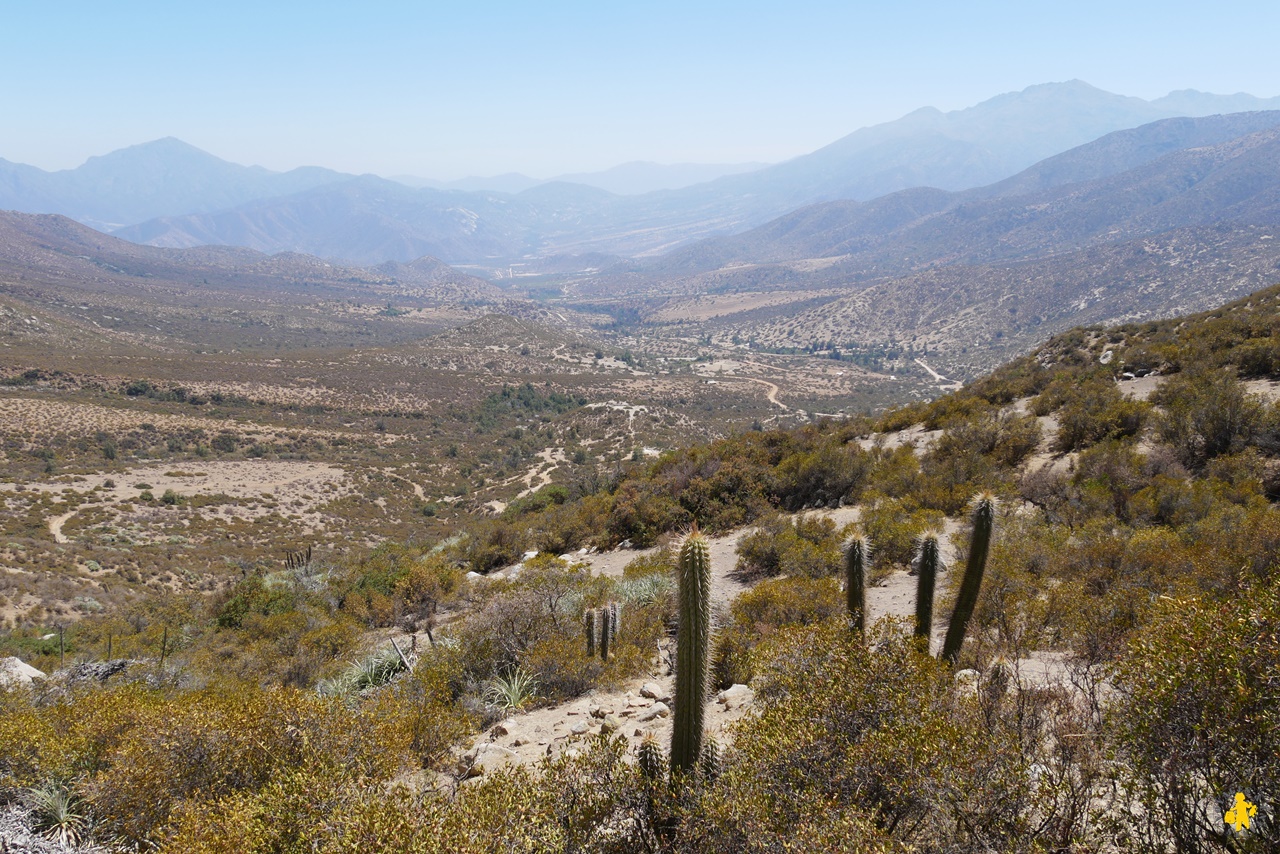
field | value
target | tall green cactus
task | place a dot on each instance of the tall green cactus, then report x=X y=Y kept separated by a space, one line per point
x=928 y=562
x=693 y=576
x=984 y=517
x=589 y=626
x=606 y=633
x=856 y=557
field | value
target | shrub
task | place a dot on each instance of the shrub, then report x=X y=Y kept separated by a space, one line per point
x=806 y=545
x=894 y=525
x=1198 y=719
x=1207 y=413
x=758 y=613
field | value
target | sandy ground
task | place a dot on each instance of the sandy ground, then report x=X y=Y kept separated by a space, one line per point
x=41 y=418
x=914 y=435
x=528 y=737
x=299 y=487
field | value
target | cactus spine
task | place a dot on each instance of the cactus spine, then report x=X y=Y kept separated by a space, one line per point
x=693 y=572
x=589 y=625
x=855 y=581
x=928 y=563
x=984 y=515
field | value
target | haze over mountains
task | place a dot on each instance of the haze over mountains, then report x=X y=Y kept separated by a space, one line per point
x=626 y=179
x=141 y=182
x=169 y=194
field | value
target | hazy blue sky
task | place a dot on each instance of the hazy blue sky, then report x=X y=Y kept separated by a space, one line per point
x=450 y=89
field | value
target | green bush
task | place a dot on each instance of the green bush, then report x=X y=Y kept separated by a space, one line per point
x=1198 y=720
x=758 y=613
x=1207 y=413
x=806 y=545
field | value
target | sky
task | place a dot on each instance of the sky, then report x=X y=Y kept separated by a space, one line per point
x=449 y=89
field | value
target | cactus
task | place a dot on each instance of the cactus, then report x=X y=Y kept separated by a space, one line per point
x=929 y=562
x=615 y=616
x=693 y=572
x=651 y=760
x=856 y=557
x=984 y=515
x=710 y=764
x=606 y=633
x=589 y=625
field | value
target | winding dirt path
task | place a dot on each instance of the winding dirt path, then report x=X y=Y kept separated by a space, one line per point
x=55 y=526
x=773 y=392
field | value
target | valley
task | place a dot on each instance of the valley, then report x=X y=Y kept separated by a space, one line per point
x=341 y=513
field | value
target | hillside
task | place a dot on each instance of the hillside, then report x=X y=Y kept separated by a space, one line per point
x=220 y=297
x=840 y=228
x=1123 y=631
x=971 y=279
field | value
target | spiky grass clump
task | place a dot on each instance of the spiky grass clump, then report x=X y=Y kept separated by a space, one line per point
x=58 y=814
x=512 y=692
x=654 y=589
x=372 y=671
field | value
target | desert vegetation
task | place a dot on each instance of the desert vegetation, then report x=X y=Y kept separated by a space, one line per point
x=1107 y=683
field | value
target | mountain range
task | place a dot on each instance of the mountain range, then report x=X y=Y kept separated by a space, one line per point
x=626 y=179
x=169 y=194
x=1172 y=216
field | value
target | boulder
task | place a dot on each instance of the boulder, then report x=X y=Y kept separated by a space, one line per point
x=654 y=691
x=484 y=759
x=580 y=728
x=966 y=681
x=15 y=671
x=610 y=724
x=735 y=696
x=657 y=710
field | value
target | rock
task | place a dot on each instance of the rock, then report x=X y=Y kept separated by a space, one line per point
x=484 y=759
x=610 y=724
x=502 y=728
x=600 y=711
x=735 y=696
x=15 y=671
x=639 y=732
x=654 y=691
x=97 y=671
x=966 y=681
x=639 y=702
x=580 y=728
x=530 y=555
x=518 y=742
x=657 y=710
